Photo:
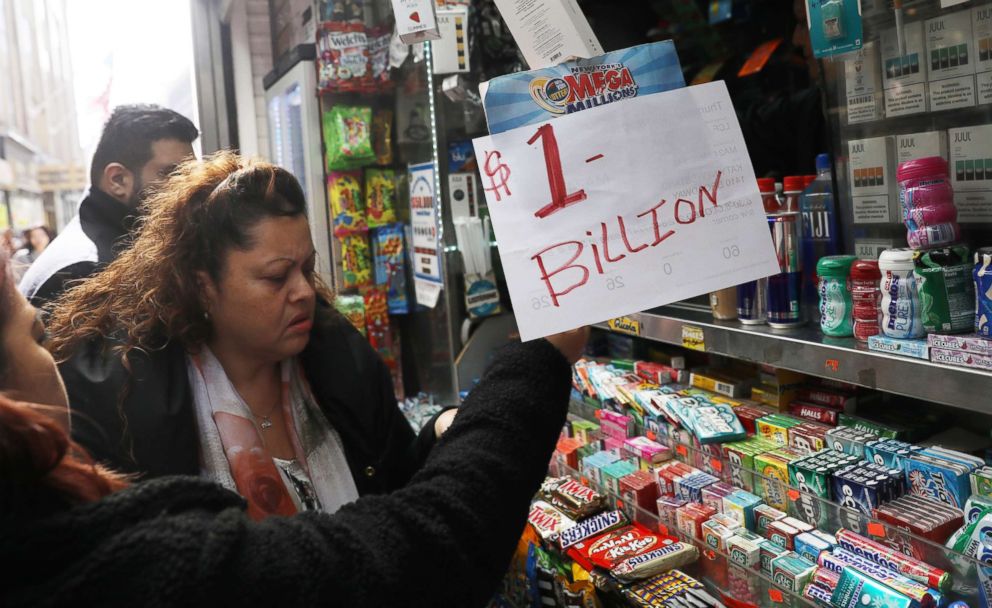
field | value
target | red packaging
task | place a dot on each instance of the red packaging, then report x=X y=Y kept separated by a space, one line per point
x=782 y=534
x=656 y=373
x=567 y=452
x=342 y=57
x=823 y=414
x=640 y=488
x=748 y=414
x=667 y=474
x=823 y=396
x=609 y=549
x=690 y=519
x=826 y=578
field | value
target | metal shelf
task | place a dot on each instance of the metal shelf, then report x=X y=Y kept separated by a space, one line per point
x=806 y=350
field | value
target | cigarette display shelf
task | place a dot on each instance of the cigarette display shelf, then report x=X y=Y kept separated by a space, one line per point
x=806 y=350
x=822 y=513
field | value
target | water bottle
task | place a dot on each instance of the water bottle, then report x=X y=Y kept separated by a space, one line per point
x=901 y=316
x=819 y=224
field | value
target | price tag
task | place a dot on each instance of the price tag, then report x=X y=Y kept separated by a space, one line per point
x=793 y=495
x=717 y=464
x=693 y=338
x=625 y=325
x=681 y=450
x=876 y=529
x=776 y=596
x=607 y=212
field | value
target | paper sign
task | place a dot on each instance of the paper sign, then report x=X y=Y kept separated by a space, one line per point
x=604 y=213
x=549 y=31
x=415 y=20
x=532 y=97
x=423 y=219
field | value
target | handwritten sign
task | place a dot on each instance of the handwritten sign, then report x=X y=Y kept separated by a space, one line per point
x=629 y=206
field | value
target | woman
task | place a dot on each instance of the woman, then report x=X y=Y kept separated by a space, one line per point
x=36 y=240
x=227 y=359
x=72 y=533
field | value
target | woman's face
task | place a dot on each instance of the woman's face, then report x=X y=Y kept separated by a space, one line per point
x=30 y=373
x=263 y=305
x=39 y=240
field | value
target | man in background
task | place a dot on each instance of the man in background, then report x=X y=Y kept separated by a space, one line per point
x=140 y=146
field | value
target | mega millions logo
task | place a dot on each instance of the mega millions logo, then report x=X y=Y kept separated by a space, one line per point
x=584 y=88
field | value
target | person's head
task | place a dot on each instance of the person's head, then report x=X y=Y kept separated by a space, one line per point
x=36 y=455
x=223 y=257
x=140 y=145
x=37 y=239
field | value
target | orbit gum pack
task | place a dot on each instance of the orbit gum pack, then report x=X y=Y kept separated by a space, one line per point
x=525 y=98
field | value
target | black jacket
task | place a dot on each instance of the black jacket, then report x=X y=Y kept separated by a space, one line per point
x=143 y=421
x=444 y=539
x=89 y=242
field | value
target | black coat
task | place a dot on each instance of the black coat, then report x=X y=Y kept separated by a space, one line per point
x=90 y=241
x=444 y=539
x=152 y=431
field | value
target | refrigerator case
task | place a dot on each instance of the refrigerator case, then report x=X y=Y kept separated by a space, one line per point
x=926 y=92
x=294 y=134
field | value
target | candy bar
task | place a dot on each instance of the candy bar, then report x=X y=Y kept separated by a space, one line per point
x=675 y=554
x=592 y=526
x=548 y=521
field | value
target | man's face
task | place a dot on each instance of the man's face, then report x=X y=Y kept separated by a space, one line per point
x=166 y=156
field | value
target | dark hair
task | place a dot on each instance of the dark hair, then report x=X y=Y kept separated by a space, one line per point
x=131 y=130
x=150 y=294
x=6 y=283
x=27 y=235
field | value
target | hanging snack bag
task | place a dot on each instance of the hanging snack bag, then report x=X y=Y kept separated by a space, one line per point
x=379 y=38
x=353 y=309
x=342 y=57
x=390 y=266
x=382 y=136
x=348 y=137
x=380 y=197
x=356 y=261
x=344 y=190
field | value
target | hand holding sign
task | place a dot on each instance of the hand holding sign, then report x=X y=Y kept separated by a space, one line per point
x=630 y=206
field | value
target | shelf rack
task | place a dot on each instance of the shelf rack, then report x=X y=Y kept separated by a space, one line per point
x=806 y=350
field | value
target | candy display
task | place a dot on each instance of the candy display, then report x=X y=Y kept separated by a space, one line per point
x=347 y=137
x=390 y=266
x=382 y=136
x=342 y=57
x=356 y=261
x=353 y=309
x=832 y=508
x=344 y=190
x=380 y=197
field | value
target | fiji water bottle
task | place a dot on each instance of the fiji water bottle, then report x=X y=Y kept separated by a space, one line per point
x=836 y=303
x=820 y=237
x=900 y=295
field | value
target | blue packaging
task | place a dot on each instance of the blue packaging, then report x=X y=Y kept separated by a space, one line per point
x=983 y=291
x=858 y=590
x=809 y=546
x=938 y=479
x=888 y=452
x=834 y=26
x=527 y=98
x=857 y=495
x=716 y=423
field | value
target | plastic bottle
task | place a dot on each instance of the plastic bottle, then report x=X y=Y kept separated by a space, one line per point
x=900 y=295
x=947 y=289
x=819 y=224
x=836 y=304
x=865 y=277
x=927 y=202
x=792 y=189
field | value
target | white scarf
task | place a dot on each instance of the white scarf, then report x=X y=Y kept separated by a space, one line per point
x=316 y=443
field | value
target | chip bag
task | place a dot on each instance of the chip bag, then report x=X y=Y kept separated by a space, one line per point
x=380 y=197
x=344 y=190
x=356 y=262
x=353 y=309
x=342 y=57
x=348 y=137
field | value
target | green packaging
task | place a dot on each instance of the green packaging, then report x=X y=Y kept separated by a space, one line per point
x=947 y=289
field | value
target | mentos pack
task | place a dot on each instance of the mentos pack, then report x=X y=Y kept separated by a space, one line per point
x=526 y=98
